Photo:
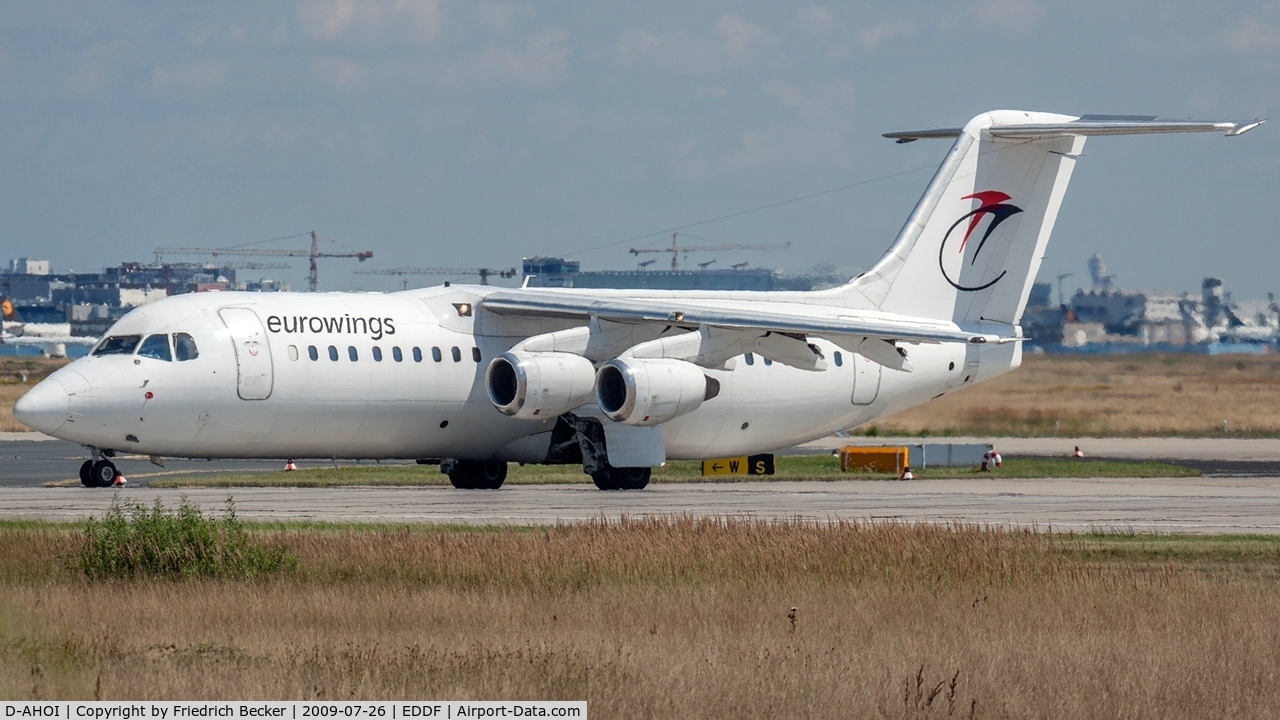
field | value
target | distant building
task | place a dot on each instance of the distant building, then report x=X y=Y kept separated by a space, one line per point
x=559 y=272
x=26 y=266
x=91 y=302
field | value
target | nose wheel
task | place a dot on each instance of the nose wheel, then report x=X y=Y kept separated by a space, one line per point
x=102 y=473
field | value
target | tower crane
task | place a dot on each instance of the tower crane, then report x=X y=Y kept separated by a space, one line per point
x=676 y=249
x=484 y=273
x=1061 y=277
x=313 y=278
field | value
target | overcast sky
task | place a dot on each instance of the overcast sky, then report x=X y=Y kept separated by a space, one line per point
x=474 y=133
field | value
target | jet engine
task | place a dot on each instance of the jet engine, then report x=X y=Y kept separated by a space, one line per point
x=534 y=386
x=651 y=391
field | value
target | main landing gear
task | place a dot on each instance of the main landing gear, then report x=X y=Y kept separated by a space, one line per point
x=99 y=472
x=586 y=437
x=608 y=477
x=475 y=474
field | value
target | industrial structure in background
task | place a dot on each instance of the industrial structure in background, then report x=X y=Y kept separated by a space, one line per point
x=1105 y=318
x=246 y=250
x=483 y=273
x=42 y=304
x=559 y=272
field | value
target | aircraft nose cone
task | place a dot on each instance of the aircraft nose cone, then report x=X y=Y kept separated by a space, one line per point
x=43 y=408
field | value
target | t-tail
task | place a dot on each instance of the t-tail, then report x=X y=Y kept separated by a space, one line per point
x=973 y=244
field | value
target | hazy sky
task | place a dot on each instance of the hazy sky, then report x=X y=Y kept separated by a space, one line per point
x=473 y=133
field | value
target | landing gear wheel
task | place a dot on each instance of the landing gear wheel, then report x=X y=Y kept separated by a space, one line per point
x=628 y=478
x=86 y=476
x=103 y=473
x=476 y=475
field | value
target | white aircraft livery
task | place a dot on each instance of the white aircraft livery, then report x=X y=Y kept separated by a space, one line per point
x=619 y=381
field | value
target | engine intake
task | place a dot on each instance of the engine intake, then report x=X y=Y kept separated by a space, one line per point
x=651 y=392
x=536 y=386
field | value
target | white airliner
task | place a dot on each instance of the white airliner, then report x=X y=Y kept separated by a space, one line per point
x=619 y=381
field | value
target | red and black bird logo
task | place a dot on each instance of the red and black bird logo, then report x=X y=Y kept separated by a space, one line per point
x=993 y=203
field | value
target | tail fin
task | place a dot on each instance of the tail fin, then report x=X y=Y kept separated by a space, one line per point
x=972 y=247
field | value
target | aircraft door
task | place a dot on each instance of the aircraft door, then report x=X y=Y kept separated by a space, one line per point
x=254 y=377
x=866 y=380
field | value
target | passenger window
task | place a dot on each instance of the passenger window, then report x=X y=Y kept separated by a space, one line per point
x=751 y=359
x=377 y=354
x=351 y=353
x=333 y=353
x=475 y=354
x=184 y=347
x=457 y=354
x=157 y=347
x=395 y=353
x=435 y=354
x=839 y=359
x=767 y=361
x=311 y=352
x=293 y=352
x=417 y=355
x=118 y=345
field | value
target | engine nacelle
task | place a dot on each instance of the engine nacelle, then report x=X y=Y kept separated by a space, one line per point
x=537 y=386
x=651 y=391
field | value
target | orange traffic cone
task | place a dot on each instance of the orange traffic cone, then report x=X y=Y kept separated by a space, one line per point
x=119 y=481
x=907 y=474
x=1077 y=453
x=290 y=466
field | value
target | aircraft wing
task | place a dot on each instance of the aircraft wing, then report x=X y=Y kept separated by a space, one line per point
x=739 y=315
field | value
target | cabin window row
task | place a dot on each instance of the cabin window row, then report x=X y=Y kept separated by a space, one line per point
x=396 y=354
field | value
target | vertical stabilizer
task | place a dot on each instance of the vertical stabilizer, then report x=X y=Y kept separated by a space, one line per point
x=971 y=248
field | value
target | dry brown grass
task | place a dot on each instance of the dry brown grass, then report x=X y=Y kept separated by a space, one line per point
x=12 y=385
x=681 y=618
x=1139 y=395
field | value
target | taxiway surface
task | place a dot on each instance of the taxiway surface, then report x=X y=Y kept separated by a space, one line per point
x=1184 y=505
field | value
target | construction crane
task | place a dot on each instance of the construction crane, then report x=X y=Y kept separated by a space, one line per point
x=1061 y=277
x=646 y=264
x=313 y=278
x=707 y=264
x=676 y=249
x=740 y=266
x=229 y=266
x=484 y=273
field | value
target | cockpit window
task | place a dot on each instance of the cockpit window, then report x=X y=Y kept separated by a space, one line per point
x=184 y=347
x=118 y=345
x=156 y=346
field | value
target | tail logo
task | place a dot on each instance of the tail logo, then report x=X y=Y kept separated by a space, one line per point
x=993 y=203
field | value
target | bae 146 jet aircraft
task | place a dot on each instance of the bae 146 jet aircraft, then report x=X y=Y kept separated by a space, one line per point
x=619 y=381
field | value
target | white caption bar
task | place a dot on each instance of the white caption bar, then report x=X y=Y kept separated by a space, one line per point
x=293 y=710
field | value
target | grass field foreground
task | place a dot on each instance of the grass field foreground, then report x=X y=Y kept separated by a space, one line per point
x=811 y=467
x=678 y=617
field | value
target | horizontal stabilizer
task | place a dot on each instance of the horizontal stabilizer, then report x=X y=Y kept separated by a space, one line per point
x=1087 y=125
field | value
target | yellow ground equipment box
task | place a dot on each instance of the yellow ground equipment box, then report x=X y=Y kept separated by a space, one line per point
x=873 y=459
x=742 y=465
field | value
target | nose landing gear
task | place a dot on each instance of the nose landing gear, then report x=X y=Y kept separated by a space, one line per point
x=98 y=472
